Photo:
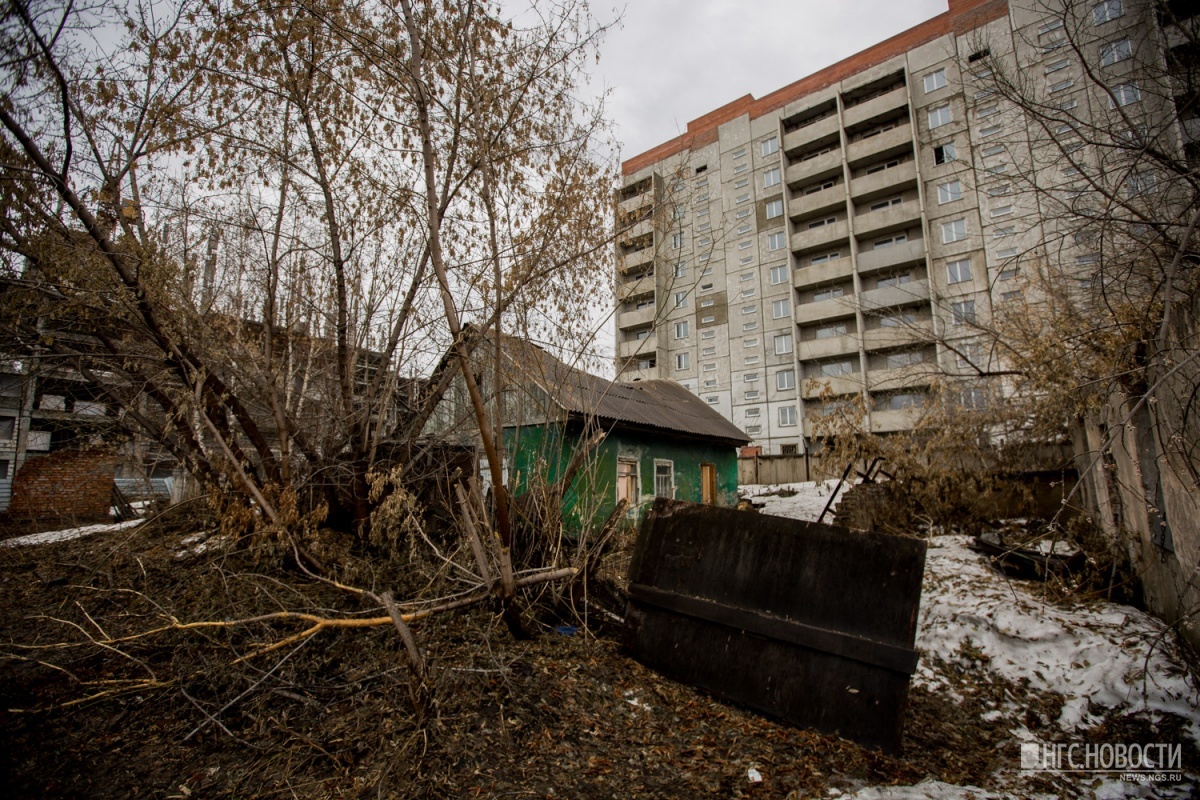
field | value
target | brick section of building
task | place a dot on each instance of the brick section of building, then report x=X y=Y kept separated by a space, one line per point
x=73 y=484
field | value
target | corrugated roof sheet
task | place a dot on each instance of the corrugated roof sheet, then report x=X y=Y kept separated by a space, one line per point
x=662 y=404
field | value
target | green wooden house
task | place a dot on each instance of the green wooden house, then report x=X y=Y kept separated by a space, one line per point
x=656 y=439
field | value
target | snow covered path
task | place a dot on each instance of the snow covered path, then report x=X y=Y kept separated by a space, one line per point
x=47 y=537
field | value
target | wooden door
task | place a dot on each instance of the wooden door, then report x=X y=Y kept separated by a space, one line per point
x=708 y=484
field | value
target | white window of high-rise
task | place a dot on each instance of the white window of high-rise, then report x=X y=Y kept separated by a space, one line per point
x=678 y=212
x=827 y=294
x=949 y=192
x=770 y=146
x=785 y=379
x=935 y=80
x=778 y=275
x=681 y=299
x=681 y=269
x=676 y=241
x=771 y=178
x=1002 y=211
x=750 y=377
x=834 y=369
x=742 y=198
x=1115 y=52
x=683 y=361
x=944 y=153
x=787 y=416
x=958 y=271
x=774 y=209
x=776 y=241
x=783 y=344
x=940 y=116
x=830 y=331
x=963 y=313
x=681 y=329
x=1125 y=94
x=1106 y=11
x=954 y=231
x=749 y=309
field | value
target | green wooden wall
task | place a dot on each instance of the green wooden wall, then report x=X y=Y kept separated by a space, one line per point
x=542 y=452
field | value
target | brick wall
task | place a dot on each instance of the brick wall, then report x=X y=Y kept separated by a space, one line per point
x=72 y=484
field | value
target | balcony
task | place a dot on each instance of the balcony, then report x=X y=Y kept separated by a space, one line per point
x=818 y=130
x=885 y=338
x=888 y=380
x=891 y=218
x=639 y=374
x=634 y=231
x=825 y=272
x=833 y=308
x=633 y=203
x=816 y=238
x=840 y=385
x=888 y=296
x=876 y=107
x=806 y=205
x=637 y=318
x=889 y=143
x=639 y=347
x=811 y=349
x=903 y=176
x=635 y=288
x=823 y=166
x=631 y=261
x=894 y=256
x=901 y=420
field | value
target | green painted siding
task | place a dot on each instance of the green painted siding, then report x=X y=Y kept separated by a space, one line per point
x=544 y=451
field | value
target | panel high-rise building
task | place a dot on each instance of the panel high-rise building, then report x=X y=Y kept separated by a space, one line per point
x=862 y=225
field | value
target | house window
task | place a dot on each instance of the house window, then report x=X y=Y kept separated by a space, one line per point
x=749 y=326
x=882 y=204
x=1106 y=11
x=954 y=231
x=944 y=153
x=681 y=329
x=774 y=209
x=683 y=361
x=681 y=299
x=748 y=343
x=963 y=313
x=776 y=241
x=742 y=184
x=664 y=478
x=939 y=116
x=780 y=309
x=742 y=198
x=935 y=80
x=949 y=192
x=771 y=178
x=753 y=412
x=785 y=379
x=708 y=319
x=1055 y=66
x=778 y=275
x=628 y=485
x=1115 y=52
x=992 y=150
x=770 y=146
x=821 y=259
x=958 y=271
x=783 y=344
x=787 y=416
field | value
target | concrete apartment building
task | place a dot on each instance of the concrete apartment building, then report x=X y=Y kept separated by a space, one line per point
x=854 y=226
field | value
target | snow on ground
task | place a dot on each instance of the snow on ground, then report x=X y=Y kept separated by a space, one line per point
x=1098 y=656
x=47 y=537
x=803 y=501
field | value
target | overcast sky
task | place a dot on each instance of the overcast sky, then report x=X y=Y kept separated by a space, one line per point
x=671 y=61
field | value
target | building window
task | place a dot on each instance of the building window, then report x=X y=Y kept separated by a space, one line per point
x=774 y=209
x=935 y=80
x=740 y=168
x=628 y=485
x=708 y=302
x=1115 y=52
x=1002 y=211
x=783 y=344
x=780 y=309
x=898 y=320
x=676 y=241
x=963 y=313
x=958 y=271
x=939 y=116
x=787 y=416
x=742 y=198
x=954 y=231
x=904 y=359
x=770 y=146
x=972 y=399
x=983 y=112
x=749 y=326
x=949 y=192
x=748 y=343
x=1106 y=11
x=992 y=150
x=683 y=361
x=1060 y=86
x=712 y=400
x=681 y=299
x=742 y=184
x=1055 y=66
x=710 y=367
x=971 y=355
x=681 y=269
x=750 y=377
x=776 y=241
x=752 y=412
x=681 y=329
x=894 y=280
x=821 y=259
x=778 y=275
x=1125 y=94
x=899 y=238
x=771 y=178
x=826 y=294
x=882 y=204
x=664 y=478
x=830 y=331
x=708 y=334
x=785 y=379
x=749 y=309
x=944 y=153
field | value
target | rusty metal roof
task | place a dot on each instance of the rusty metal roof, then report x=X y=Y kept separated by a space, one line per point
x=659 y=404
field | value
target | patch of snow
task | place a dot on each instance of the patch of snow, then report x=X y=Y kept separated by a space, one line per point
x=804 y=501
x=934 y=790
x=48 y=537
